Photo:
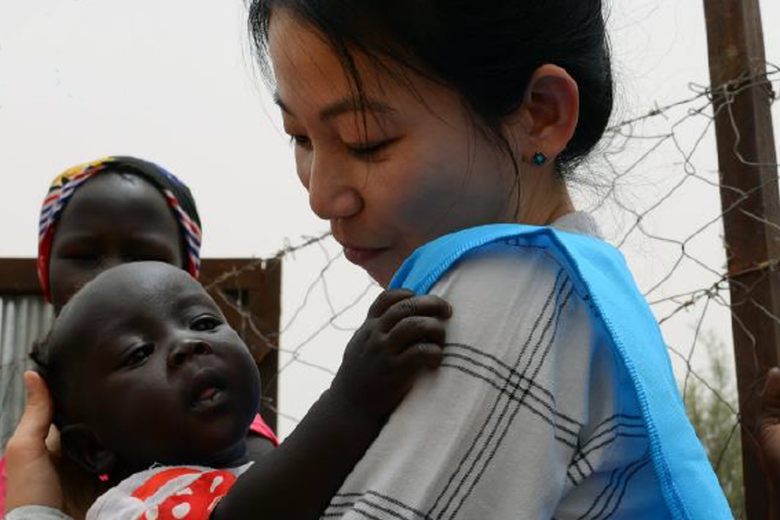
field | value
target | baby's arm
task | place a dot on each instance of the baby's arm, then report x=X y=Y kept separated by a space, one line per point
x=402 y=335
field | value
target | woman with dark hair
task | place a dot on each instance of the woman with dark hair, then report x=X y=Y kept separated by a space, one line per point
x=438 y=138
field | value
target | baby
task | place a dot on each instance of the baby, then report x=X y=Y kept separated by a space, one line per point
x=155 y=390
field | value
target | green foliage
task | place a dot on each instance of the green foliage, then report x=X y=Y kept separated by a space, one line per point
x=713 y=416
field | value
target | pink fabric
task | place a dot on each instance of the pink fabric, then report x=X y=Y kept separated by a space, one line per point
x=258 y=427
x=263 y=430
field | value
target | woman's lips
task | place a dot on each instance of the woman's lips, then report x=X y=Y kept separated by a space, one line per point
x=360 y=256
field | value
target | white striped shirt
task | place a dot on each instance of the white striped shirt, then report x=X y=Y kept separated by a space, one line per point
x=529 y=416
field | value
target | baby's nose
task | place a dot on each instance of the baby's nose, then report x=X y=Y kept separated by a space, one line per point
x=185 y=350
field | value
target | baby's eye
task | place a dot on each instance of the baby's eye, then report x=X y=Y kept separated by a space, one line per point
x=205 y=323
x=139 y=354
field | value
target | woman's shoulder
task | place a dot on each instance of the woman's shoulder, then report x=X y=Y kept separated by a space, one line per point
x=503 y=271
x=522 y=304
x=515 y=265
x=510 y=292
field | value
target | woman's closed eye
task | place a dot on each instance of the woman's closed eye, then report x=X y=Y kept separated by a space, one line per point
x=147 y=256
x=300 y=141
x=369 y=151
x=362 y=150
x=205 y=322
x=77 y=256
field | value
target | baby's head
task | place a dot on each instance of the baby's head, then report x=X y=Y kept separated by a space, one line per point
x=144 y=368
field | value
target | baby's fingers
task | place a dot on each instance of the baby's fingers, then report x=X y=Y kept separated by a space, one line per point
x=422 y=355
x=772 y=387
x=770 y=413
x=416 y=329
x=423 y=305
x=385 y=300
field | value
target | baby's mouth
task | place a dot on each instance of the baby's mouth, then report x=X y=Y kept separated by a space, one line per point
x=208 y=390
x=208 y=394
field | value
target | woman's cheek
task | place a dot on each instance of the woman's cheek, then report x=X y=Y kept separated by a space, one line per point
x=420 y=189
x=66 y=278
x=303 y=166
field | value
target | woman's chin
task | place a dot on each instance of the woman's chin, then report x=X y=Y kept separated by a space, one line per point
x=382 y=276
x=373 y=262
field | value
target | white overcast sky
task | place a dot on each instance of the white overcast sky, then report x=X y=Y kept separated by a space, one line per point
x=172 y=81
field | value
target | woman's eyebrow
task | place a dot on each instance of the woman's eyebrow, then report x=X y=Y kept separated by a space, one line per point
x=343 y=106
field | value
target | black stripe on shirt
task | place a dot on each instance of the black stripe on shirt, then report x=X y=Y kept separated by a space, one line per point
x=510 y=409
x=547 y=308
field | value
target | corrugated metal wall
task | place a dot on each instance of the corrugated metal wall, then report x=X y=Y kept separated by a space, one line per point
x=23 y=319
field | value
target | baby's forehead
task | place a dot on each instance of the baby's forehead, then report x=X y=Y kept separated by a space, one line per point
x=139 y=288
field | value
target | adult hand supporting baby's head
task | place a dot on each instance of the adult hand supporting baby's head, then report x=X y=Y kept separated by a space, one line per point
x=32 y=478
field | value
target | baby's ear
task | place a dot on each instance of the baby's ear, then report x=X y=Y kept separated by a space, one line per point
x=81 y=445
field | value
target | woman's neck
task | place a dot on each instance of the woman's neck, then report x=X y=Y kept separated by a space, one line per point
x=544 y=198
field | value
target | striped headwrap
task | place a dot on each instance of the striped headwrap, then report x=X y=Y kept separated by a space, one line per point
x=64 y=185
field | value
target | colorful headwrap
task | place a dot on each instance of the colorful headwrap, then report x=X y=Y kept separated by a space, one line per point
x=63 y=187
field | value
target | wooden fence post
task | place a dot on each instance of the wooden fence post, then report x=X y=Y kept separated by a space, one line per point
x=249 y=293
x=749 y=195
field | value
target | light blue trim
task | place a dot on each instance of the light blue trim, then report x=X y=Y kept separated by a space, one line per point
x=689 y=486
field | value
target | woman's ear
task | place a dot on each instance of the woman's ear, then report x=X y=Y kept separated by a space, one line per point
x=80 y=444
x=550 y=112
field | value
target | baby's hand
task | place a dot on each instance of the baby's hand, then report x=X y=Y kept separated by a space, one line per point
x=402 y=335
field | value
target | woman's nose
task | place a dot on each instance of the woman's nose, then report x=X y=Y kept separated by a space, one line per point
x=185 y=350
x=332 y=194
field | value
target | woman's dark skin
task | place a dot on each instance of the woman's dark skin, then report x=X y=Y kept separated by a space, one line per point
x=114 y=218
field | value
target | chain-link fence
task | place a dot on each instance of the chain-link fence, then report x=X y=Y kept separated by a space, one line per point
x=654 y=189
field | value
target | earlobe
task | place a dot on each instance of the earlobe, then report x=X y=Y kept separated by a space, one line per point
x=551 y=110
x=81 y=444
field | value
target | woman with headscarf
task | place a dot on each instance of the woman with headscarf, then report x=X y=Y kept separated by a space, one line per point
x=104 y=213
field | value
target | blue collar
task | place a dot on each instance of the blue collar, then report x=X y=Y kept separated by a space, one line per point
x=689 y=486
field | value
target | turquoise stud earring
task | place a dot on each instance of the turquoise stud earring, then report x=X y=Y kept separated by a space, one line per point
x=539 y=159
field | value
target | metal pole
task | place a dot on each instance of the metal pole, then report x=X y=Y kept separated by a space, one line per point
x=749 y=195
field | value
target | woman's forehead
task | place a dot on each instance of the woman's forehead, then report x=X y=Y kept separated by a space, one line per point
x=114 y=186
x=118 y=203
x=311 y=81
x=304 y=63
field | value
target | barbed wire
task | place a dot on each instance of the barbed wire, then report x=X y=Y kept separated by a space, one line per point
x=676 y=137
